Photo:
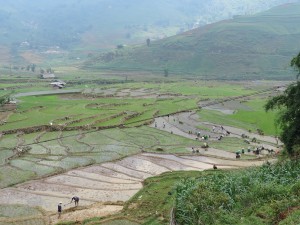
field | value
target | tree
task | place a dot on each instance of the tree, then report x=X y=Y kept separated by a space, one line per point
x=4 y=99
x=166 y=72
x=289 y=118
x=296 y=64
x=148 y=42
x=49 y=70
x=33 y=67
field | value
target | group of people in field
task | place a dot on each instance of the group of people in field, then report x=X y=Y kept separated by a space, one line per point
x=224 y=132
x=60 y=205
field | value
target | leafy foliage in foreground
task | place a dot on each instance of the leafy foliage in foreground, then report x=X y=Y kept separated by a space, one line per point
x=253 y=196
x=289 y=118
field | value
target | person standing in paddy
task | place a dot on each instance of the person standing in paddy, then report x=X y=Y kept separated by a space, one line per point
x=59 y=209
x=76 y=200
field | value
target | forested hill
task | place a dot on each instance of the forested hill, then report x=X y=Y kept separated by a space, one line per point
x=77 y=24
x=246 y=47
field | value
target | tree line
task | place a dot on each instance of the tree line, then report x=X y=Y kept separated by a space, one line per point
x=31 y=68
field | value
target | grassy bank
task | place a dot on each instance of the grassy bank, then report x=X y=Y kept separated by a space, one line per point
x=265 y=195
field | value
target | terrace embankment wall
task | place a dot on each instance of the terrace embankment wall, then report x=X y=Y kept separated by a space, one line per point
x=52 y=128
x=49 y=128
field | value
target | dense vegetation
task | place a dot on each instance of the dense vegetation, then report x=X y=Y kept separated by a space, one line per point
x=266 y=195
x=4 y=99
x=241 y=48
x=289 y=118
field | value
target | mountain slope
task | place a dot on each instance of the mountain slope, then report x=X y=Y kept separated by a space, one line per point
x=81 y=27
x=244 y=47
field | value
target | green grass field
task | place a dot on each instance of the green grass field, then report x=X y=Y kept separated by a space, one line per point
x=252 y=119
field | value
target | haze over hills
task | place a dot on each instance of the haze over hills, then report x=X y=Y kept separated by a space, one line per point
x=255 y=46
x=31 y=27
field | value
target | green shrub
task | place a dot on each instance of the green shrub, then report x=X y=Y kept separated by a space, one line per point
x=231 y=196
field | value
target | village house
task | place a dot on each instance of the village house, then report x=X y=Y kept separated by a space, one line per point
x=47 y=76
x=58 y=84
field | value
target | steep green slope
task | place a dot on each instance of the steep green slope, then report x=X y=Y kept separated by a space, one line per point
x=32 y=30
x=258 y=46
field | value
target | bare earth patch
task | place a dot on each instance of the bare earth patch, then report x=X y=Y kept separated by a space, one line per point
x=96 y=210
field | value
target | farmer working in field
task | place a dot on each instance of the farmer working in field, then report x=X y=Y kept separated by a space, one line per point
x=59 y=209
x=76 y=200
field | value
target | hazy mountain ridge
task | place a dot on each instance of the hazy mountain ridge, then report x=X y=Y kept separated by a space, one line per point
x=246 y=47
x=50 y=23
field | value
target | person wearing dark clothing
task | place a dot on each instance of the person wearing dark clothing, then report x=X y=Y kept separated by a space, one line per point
x=59 y=209
x=76 y=200
x=257 y=151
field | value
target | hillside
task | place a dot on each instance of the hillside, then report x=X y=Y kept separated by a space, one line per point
x=243 y=47
x=33 y=30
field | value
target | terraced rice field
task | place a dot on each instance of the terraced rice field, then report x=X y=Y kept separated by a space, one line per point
x=79 y=111
x=115 y=181
x=60 y=146
x=55 y=152
x=107 y=182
